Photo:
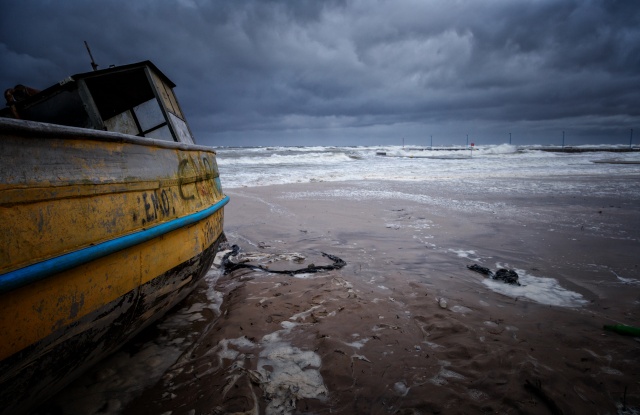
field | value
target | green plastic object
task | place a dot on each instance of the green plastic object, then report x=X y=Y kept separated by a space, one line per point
x=623 y=329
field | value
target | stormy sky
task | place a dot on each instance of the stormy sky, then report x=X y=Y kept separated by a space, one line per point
x=355 y=72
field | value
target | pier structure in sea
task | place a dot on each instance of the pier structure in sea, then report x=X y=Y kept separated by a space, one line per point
x=552 y=149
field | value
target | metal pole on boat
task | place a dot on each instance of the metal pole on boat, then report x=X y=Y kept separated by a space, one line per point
x=509 y=138
x=94 y=65
x=432 y=141
x=467 y=140
x=631 y=138
x=563 y=139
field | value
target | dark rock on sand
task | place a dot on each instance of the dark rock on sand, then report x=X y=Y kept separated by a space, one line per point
x=507 y=276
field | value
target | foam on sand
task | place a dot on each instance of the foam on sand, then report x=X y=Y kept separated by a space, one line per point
x=542 y=290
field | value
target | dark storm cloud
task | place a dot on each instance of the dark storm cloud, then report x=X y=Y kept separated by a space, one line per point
x=343 y=71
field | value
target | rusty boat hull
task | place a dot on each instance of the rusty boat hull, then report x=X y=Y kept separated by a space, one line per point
x=101 y=233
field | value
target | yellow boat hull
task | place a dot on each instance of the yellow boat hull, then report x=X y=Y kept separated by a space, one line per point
x=100 y=234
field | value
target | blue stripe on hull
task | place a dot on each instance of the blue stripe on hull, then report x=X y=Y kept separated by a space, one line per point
x=27 y=275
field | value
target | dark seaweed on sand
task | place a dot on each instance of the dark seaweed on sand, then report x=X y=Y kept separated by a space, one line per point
x=230 y=266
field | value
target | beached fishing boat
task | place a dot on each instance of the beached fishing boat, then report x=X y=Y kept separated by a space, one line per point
x=109 y=216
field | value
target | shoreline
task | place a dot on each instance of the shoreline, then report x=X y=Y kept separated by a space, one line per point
x=374 y=336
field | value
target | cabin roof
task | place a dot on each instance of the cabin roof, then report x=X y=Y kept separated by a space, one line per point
x=124 y=68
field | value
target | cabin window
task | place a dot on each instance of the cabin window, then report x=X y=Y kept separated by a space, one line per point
x=181 y=129
x=167 y=96
x=162 y=133
x=127 y=104
x=123 y=123
x=149 y=115
x=145 y=120
x=118 y=92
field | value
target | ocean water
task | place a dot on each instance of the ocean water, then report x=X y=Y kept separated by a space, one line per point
x=263 y=166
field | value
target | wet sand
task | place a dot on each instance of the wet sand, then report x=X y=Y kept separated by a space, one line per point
x=404 y=327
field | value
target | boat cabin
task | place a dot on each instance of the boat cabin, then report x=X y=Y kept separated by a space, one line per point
x=135 y=99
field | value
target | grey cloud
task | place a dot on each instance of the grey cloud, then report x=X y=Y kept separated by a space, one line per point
x=350 y=68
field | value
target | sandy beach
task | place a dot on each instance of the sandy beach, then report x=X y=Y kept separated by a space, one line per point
x=405 y=327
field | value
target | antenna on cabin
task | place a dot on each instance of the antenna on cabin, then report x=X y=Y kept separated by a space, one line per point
x=94 y=65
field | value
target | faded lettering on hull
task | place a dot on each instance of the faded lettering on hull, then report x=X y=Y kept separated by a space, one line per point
x=46 y=220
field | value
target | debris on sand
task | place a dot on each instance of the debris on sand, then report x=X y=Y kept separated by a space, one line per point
x=623 y=329
x=230 y=266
